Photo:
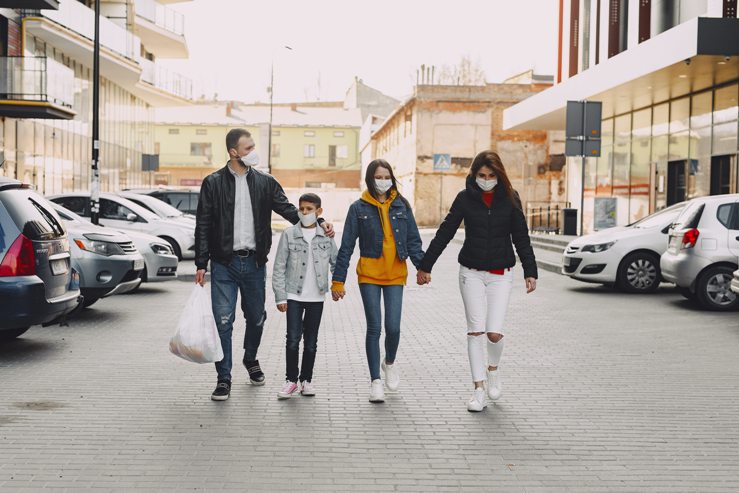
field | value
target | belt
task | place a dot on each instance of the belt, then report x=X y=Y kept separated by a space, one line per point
x=244 y=253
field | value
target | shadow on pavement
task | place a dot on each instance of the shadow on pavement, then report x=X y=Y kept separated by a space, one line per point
x=22 y=348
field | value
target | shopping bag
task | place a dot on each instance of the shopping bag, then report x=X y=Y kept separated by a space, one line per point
x=197 y=337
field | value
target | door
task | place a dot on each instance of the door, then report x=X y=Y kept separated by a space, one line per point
x=675 y=182
x=332 y=156
x=115 y=215
x=720 y=175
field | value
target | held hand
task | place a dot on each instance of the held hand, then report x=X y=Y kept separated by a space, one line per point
x=423 y=278
x=328 y=228
x=337 y=295
x=530 y=284
x=200 y=277
x=282 y=307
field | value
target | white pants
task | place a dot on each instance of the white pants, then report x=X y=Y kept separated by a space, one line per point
x=485 y=296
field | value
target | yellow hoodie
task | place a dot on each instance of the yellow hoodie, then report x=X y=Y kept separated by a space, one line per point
x=387 y=270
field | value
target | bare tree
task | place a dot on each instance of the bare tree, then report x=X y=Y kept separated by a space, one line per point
x=466 y=72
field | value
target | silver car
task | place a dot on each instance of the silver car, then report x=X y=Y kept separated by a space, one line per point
x=702 y=252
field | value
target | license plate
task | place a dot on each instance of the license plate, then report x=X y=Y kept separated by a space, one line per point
x=138 y=264
x=566 y=261
x=59 y=266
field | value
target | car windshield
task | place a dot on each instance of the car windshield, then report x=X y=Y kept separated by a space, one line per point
x=659 y=218
x=155 y=205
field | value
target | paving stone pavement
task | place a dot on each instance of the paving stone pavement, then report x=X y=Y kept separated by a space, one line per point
x=602 y=392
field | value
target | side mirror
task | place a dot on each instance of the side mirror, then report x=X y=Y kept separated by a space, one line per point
x=131 y=218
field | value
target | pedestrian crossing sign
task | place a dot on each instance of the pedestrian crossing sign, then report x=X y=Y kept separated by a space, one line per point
x=442 y=162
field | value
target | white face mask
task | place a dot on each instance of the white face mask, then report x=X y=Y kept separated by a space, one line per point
x=383 y=186
x=307 y=220
x=487 y=185
x=251 y=159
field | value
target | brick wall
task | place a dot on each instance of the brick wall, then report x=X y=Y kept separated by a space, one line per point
x=14 y=39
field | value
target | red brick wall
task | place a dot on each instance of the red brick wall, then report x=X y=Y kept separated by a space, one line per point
x=14 y=39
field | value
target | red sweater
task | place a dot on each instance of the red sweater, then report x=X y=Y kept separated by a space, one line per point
x=487 y=197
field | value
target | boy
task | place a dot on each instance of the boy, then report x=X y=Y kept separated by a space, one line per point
x=300 y=281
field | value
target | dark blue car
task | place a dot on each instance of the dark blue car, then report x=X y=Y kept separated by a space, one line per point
x=37 y=285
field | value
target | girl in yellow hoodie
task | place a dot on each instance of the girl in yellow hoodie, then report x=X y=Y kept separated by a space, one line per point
x=383 y=221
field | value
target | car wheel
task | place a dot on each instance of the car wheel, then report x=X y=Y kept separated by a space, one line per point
x=9 y=335
x=687 y=293
x=713 y=289
x=639 y=273
x=89 y=301
x=175 y=247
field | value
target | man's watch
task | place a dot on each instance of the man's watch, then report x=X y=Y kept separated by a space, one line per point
x=320 y=221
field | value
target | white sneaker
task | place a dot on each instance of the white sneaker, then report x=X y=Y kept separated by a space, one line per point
x=392 y=377
x=477 y=402
x=377 y=392
x=494 y=387
x=307 y=389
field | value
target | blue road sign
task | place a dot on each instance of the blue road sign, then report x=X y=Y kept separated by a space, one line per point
x=442 y=162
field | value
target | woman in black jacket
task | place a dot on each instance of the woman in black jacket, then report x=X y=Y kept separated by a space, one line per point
x=494 y=223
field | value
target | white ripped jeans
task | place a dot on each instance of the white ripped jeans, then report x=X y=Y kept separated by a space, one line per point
x=485 y=296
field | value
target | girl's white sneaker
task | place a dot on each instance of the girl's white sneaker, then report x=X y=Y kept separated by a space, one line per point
x=495 y=389
x=477 y=402
x=377 y=392
x=392 y=377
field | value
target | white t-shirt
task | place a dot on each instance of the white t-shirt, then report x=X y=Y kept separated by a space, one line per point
x=310 y=292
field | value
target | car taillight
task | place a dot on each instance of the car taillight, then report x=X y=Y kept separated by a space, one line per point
x=20 y=259
x=690 y=238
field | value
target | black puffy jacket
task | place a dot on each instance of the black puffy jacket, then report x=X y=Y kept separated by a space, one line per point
x=490 y=233
x=214 y=227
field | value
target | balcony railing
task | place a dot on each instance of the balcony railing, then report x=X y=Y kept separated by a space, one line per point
x=36 y=79
x=77 y=17
x=166 y=80
x=162 y=16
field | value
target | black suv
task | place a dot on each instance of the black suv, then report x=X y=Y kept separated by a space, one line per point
x=37 y=285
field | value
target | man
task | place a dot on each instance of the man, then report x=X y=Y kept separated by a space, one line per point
x=234 y=231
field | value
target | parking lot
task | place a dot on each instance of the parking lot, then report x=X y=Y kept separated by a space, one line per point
x=602 y=392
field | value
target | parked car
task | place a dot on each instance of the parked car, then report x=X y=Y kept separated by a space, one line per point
x=37 y=284
x=702 y=253
x=186 y=200
x=122 y=214
x=160 y=262
x=158 y=207
x=625 y=256
x=735 y=282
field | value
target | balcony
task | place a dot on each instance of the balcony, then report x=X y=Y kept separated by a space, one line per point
x=71 y=29
x=30 y=4
x=161 y=87
x=36 y=87
x=162 y=30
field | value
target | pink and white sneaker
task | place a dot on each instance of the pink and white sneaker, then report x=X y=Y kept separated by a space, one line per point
x=288 y=390
x=307 y=389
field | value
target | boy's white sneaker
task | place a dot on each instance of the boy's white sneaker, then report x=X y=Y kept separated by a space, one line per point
x=477 y=402
x=377 y=392
x=495 y=389
x=392 y=377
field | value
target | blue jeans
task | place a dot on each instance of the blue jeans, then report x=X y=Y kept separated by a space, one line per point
x=303 y=321
x=393 y=297
x=241 y=274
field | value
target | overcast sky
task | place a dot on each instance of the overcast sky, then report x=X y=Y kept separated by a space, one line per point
x=383 y=42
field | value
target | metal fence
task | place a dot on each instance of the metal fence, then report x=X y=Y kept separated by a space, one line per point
x=545 y=217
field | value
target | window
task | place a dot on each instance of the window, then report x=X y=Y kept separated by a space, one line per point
x=339 y=133
x=342 y=152
x=309 y=150
x=201 y=131
x=309 y=133
x=275 y=150
x=724 y=214
x=275 y=133
x=201 y=149
x=78 y=205
x=157 y=148
x=114 y=211
x=174 y=131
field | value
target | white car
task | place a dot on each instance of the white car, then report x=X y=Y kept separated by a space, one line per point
x=160 y=262
x=625 y=256
x=158 y=207
x=735 y=282
x=120 y=213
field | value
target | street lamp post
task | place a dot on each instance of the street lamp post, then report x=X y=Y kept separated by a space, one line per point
x=271 y=105
x=95 y=184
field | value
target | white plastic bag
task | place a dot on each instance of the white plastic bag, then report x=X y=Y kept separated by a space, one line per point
x=197 y=337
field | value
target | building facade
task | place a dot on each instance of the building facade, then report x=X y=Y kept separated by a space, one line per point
x=666 y=73
x=432 y=138
x=46 y=49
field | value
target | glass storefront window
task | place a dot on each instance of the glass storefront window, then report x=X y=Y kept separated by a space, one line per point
x=660 y=145
x=621 y=166
x=604 y=180
x=641 y=144
x=726 y=109
x=701 y=110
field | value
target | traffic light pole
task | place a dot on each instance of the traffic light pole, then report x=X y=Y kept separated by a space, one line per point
x=95 y=183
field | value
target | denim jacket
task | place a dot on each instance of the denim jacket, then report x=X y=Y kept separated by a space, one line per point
x=363 y=222
x=292 y=255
